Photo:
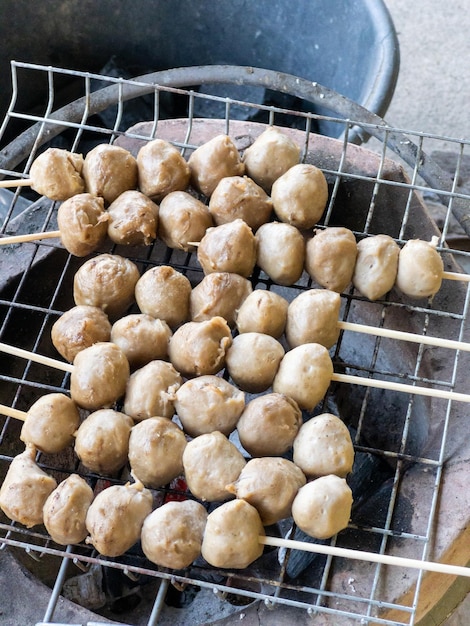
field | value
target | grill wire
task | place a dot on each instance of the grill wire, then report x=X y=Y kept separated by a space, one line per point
x=330 y=588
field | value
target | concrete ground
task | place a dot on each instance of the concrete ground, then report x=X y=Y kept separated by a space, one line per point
x=433 y=96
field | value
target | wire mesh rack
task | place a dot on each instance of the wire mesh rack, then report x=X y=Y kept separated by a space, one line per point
x=410 y=458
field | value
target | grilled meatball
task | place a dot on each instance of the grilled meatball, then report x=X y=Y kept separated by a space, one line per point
x=133 y=219
x=156 y=448
x=50 y=423
x=312 y=317
x=107 y=281
x=229 y=247
x=172 y=534
x=183 y=219
x=231 y=535
x=83 y=223
x=102 y=441
x=322 y=507
x=420 y=269
x=99 y=377
x=115 y=517
x=211 y=462
x=304 y=374
x=330 y=258
x=219 y=294
x=109 y=171
x=150 y=391
x=25 y=489
x=79 y=328
x=214 y=160
x=376 y=266
x=323 y=446
x=163 y=293
x=269 y=425
x=65 y=510
x=198 y=348
x=209 y=403
x=239 y=197
x=270 y=485
x=162 y=169
x=57 y=174
x=281 y=252
x=262 y=312
x=253 y=360
x=142 y=338
x=300 y=196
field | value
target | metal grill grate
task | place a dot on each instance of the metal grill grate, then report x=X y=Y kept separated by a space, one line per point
x=406 y=500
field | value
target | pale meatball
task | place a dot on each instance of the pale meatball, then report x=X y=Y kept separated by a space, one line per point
x=133 y=219
x=65 y=510
x=281 y=252
x=163 y=293
x=322 y=507
x=79 y=328
x=270 y=485
x=142 y=338
x=239 y=197
x=231 y=535
x=57 y=174
x=230 y=247
x=323 y=446
x=102 y=441
x=269 y=425
x=376 y=266
x=198 y=348
x=214 y=160
x=107 y=281
x=99 y=376
x=172 y=534
x=219 y=294
x=300 y=196
x=312 y=317
x=211 y=462
x=150 y=391
x=156 y=448
x=183 y=220
x=253 y=360
x=83 y=223
x=330 y=258
x=25 y=489
x=115 y=517
x=262 y=312
x=109 y=171
x=420 y=269
x=162 y=169
x=270 y=156
x=50 y=423
x=304 y=374
x=209 y=403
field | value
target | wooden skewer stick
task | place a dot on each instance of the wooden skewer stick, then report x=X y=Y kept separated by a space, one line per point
x=51 y=234
x=18 y=182
x=384 y=559
x=11 y=412
x=37 y=358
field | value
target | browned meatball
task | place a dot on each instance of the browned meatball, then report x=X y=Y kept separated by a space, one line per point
x=219 y=294
x=79 y=328
x=142 y=338
x=312 y=317
x=57 y=174
x=330 y=257
x=239 y=197
x=99 y=376
x=164 y=293
x=376 y=266
x=151 y=391
x=83 y=223
x=229 y=247
x=253 y=360
x=109 y=171
x=162 y=169
x=133 y=219
x=281 y=252
x=262 y=312
x=420 y=269
x=183 y=219
x=213 y=161
x=107 y=281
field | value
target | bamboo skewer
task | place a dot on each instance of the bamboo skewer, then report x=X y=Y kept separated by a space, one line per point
x=12 y=239
x=37 y=358
x=11 y=412
x=18 y=182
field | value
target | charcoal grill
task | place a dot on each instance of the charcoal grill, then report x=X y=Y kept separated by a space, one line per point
x=412 y=455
